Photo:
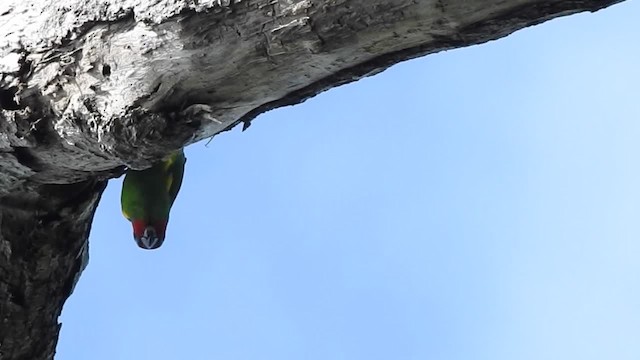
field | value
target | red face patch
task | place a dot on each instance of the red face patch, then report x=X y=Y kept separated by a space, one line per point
x=161 y=228
x=140 y=225
x=138 y=228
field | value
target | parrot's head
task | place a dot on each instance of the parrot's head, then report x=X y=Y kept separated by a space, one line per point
x=149 y=235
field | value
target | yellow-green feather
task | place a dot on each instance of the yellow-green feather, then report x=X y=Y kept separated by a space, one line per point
x=149 y=194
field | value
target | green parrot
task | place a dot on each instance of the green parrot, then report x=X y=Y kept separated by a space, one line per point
x=147 y=197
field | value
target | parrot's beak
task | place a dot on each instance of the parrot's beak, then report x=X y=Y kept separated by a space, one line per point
x=149 y=239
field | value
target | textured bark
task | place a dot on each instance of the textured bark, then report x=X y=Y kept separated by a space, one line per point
x=89 y=87
x=43 y=250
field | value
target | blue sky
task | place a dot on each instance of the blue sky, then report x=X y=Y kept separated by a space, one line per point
x=481 y=203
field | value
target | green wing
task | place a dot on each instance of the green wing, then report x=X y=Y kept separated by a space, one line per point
x=174 y=167
x=150 y=193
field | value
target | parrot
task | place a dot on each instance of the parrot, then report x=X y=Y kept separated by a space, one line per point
x=147 y=197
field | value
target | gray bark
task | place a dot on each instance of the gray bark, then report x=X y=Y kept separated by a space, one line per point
x=89 y=87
